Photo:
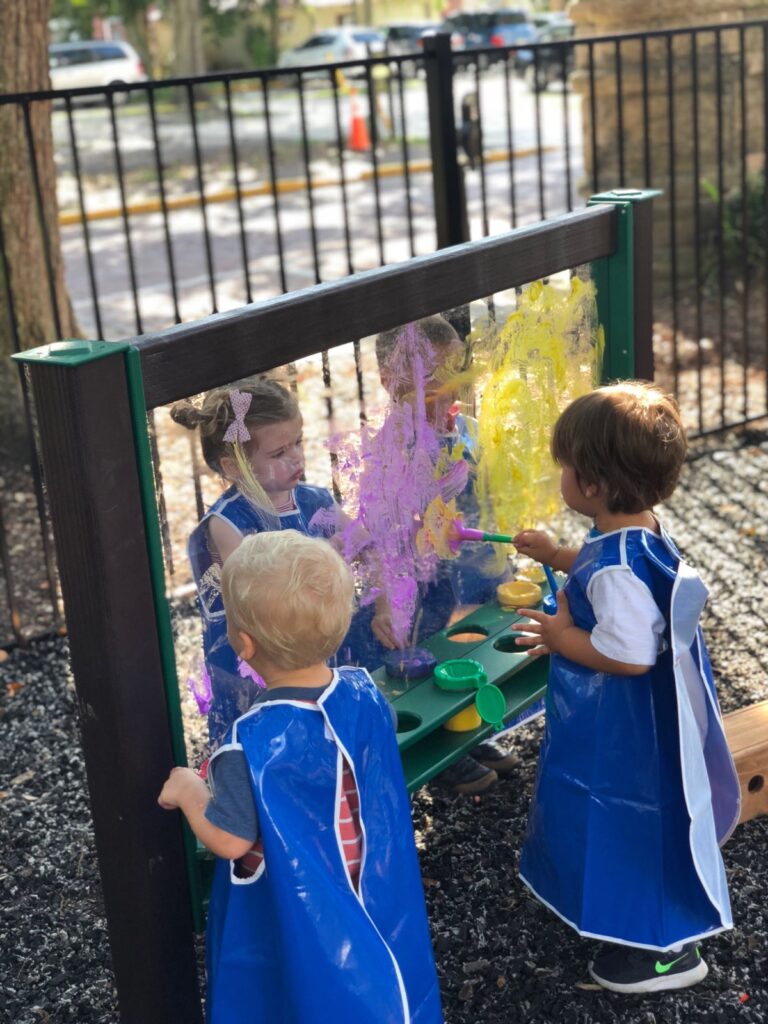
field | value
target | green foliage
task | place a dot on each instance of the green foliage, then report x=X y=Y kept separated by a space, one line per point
x=738 y=248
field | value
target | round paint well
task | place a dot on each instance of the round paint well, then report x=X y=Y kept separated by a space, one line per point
x=468 y=633
x=407 y=721
x=507 y=645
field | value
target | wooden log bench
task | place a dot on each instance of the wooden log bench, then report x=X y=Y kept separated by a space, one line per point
x=747 y=733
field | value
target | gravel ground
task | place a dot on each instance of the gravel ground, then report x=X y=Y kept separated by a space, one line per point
x=501 y=956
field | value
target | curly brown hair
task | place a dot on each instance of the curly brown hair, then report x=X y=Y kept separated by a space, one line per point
x=628 y=440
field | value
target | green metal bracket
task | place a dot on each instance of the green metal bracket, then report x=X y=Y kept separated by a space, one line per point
x=162 y=611
x=614 y=279
x=70 y=353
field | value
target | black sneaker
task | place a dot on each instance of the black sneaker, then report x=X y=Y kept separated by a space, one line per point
x=468 y=776
x=627 y=969
x=493 y=755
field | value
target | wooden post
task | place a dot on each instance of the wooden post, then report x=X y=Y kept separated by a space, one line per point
x=86 y=431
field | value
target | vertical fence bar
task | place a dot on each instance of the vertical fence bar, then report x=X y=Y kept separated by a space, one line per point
x=720 y=214
x=86 y=430
x=510 y=126
x=696 y=189
x=201 y=191
x=273 y=183
x=672 y=212
x=84 y=218
x=745 y=271
x=342 y=172
x=371 y=90
x=124 y=211
x=646 y=113
x=565 y=49
x=306 y=156
x=405 y=156
x=238 y=192
x=10 y=589
x=34 y=455
x=447 y=177
x=15 y=620
x=593 y=113
x=620 y=112
x=481 y=157
x=159 y=171
x=539 y=142
x=40 y=208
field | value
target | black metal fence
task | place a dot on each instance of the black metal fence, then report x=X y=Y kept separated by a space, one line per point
x=184 y=197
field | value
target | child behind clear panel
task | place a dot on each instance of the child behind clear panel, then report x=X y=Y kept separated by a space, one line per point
x=251 y=435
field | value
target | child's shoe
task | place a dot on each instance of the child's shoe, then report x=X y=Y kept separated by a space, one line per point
x=468 y=777
x=628 y=969
x=493 y=755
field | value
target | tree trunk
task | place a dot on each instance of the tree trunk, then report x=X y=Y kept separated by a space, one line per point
x=188 y=52
x=34 y=304
x=39 y=310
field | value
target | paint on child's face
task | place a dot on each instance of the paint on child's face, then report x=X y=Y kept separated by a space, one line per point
x=276 y=455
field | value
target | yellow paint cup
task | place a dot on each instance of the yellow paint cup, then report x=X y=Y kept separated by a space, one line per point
x=518 y=594
x=465 y=721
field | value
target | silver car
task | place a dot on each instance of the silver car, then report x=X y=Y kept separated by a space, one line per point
x=94 y=62
x=350 y=42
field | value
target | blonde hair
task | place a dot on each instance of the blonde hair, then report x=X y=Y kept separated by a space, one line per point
x=627 y=439
x=214 y=414
x=292 y=593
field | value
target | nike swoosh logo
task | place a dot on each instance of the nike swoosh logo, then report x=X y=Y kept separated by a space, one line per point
x=663 y=968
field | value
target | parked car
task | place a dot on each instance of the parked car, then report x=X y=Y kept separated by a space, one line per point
x=350 y=42
x=94 y=62
x=409 y=37
x=551 y=28
x=506 y=26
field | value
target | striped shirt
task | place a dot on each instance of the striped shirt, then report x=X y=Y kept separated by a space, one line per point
x=349 y=829
x=232 y=808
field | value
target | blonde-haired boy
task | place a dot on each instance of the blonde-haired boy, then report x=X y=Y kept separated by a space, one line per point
x=313 y=773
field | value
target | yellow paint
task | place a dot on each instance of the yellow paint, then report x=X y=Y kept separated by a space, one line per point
x=548 y=353
x=435 y=528
x=518 y=594
x=465 y=721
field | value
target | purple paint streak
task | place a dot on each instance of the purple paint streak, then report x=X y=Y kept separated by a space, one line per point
x=387 y=478
x=201 y=689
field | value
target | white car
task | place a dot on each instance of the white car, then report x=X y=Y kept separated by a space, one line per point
x=93 y=62
x=350 y=42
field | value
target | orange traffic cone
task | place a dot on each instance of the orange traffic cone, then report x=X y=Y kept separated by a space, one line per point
x=359 y=140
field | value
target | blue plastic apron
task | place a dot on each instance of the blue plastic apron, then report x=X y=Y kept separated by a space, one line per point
x=636 y=788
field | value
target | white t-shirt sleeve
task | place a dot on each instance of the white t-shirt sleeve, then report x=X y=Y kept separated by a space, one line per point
x=630 y=626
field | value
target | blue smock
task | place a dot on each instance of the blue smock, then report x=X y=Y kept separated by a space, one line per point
x=232 y=694
x=296 y=943
x=636 y=787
